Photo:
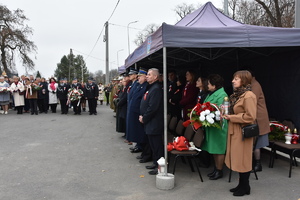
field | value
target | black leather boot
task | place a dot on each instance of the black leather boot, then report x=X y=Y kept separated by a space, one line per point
x=257 y=166
x=244 y=187
x=237 y=187
x=217 y=175
x=212 y=173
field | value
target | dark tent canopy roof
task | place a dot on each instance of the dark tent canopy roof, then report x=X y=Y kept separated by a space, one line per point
x=210 y=42
x=207 y=27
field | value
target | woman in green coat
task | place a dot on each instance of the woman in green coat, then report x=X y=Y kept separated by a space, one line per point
x=215 y=138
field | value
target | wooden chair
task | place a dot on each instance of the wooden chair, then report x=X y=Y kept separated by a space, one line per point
x=190 y=155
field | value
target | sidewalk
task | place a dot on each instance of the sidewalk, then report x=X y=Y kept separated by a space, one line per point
x=59 y=157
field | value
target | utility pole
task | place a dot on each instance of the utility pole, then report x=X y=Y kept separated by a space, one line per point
x=297 y=14
x=107 y=55
x=70 y=65
x=226 y=7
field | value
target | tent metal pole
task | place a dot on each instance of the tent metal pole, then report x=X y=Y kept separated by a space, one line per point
x=165 y=108
x=297 y=14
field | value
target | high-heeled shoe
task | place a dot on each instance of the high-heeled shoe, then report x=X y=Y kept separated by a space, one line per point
x=235 y=189
x=242 y=191
x=244 y=187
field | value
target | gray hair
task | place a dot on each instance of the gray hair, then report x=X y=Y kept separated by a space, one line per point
x=155 y=71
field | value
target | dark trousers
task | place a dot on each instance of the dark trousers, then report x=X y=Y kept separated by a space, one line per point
x=107 y=97
x=92 y=105
x=147 y=152
x=27 y=105
x=157 y=146
x=42 y=105
x=53 y=107
x=19 y=109
x=76 y=109
x=64 y=107
x=33 y=106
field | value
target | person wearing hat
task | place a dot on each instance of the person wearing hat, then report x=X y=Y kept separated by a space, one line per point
x=139 y=135
x=62 y=95
x=132 y=86
x=151 y=116
x=77 y=104
x=91 y=94
x=135 y=127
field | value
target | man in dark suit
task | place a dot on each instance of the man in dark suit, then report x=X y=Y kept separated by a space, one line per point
x=151 y=115
x=62 y=95
x=91 y=94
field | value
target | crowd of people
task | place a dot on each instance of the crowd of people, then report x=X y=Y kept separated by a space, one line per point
x=38 y=95
x=138 y=101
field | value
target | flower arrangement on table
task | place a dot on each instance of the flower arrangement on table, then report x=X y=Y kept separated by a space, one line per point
x=75 y=94
x=4 y=89
x=277 y=131
x=204 y=115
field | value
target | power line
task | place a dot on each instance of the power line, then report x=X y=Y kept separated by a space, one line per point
x=114 y=10
x=95 y=44
x=93 y=57
x=102 y=31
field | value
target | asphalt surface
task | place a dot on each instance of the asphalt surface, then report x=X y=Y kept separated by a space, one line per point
x=68 y=157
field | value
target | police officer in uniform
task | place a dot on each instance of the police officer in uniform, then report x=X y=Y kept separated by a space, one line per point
x=76 y=104
x=91 y=94
x=62 y=95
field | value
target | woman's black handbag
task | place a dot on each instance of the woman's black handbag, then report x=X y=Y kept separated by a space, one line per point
x=249 y=131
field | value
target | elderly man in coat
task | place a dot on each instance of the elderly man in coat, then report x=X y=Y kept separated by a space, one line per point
x=151 y=115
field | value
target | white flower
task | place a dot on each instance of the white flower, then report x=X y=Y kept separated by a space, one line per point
x=218 y=118
x=207 y=112
x=218 y=113
x=212 y=115
x=202 y=118
x=208 y=118
x=211 y=121
x=202 y=113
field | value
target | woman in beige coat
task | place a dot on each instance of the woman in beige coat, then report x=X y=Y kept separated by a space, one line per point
x=242 y=112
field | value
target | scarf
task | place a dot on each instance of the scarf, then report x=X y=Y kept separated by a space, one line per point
x=52 y=86
x=237 y=92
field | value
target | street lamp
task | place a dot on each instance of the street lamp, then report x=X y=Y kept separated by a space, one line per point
x=118 y=56
x=128 y=35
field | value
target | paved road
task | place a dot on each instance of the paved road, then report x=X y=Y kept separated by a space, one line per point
x=61 y=157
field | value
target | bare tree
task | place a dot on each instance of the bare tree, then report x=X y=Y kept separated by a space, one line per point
x=184 y=9
x=277 y=13
x=142 y=35
x=14 y=39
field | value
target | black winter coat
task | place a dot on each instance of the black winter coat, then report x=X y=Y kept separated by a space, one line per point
x=62 y=91
x=91 y=91
x=152 y=109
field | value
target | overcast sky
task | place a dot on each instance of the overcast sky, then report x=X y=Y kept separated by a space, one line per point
x=63 y=24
